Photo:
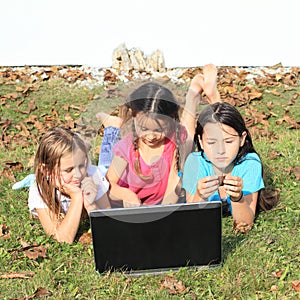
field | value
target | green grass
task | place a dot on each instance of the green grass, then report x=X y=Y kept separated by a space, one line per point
x=67 y=271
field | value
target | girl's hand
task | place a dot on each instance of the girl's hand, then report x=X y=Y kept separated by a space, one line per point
x=89 y=189
x=131 y=200
x=71 y=190
x=207 y=186
x=233 y=186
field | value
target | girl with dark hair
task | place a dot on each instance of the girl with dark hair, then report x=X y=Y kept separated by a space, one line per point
x=227 y=166
x=147 y=161
x=147 y=164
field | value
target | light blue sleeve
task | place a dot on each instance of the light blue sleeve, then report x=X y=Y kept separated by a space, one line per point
x=250 y=170
x=192 y=172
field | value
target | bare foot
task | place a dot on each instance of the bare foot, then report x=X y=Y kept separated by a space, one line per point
x=197 y=84
x=210 y=83
x=107 y=120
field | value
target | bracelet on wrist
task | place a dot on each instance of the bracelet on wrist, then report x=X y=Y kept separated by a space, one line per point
x=237 y=200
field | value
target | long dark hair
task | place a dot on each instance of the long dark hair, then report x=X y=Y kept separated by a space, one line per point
x=156 y=101
x=225 y=113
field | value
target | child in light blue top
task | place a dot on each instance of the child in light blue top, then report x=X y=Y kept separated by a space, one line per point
x=250 y=170
x=227 y=166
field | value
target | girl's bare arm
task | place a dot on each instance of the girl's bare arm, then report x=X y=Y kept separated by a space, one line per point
x=244 y=210
x=63 y=230
x=117 y=192
x=171 y=194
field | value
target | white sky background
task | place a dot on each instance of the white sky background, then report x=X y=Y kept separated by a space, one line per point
x=188 y=32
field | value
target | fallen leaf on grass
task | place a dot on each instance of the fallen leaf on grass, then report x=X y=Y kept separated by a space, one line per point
x=277 y=274
x=77 y=107
x=17 y=275
x=274 y=154
x=14 y=166
x=4 y=231
x=31 y=161
x=175 y=286
x=296 y=285
x=274 y=288
x=21 y=126
x=35 y=252
x=287 y=118
x=296 y=171
x=8 y=174
x=27 y=88
x=39 y=293
x=86 y=238
x=270 y=105
x=273 y=92
x=11 y=166
x=11 y=96
x=31 y=251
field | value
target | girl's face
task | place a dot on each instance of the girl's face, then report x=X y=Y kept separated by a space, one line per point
x=221 y=145
x=151 y=131
x=73 y=168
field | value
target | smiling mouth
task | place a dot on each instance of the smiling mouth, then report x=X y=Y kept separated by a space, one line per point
x=151 y=141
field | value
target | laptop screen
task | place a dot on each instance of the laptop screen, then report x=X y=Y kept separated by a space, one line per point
x=157 y=238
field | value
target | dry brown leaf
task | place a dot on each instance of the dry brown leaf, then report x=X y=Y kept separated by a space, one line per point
x=24 y=129
x=14 y=166
x=296 y=285
x=270 y=105
x=286 y=119
x=31 y=251
x=31 y=162
x=27 y=88
x=32 y=106
x=49 y=118
x=77 y=107
x=6 y=173
x=295 y=96
x=11 y=96
x=4 y=231
x=278 y=273
x=296 y=171
x=255 y=95
x=274 y=288
x=86 y=238
x=175 y=286
x=24 y=244
x=42 y=292
x=34 y=252
x=68 y=117
x=274 y=154
x=55 y=113
x=16 y=275
x=40 y=126
x=39 y=293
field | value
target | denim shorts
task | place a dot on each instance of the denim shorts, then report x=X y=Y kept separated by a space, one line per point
x=110 y=137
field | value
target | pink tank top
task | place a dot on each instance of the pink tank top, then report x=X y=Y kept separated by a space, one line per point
x=150 y=191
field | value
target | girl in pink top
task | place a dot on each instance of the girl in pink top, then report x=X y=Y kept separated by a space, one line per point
x=147 y=163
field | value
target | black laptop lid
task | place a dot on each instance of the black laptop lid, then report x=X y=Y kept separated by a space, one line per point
x=157 y=238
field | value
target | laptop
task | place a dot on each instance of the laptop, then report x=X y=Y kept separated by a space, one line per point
x=156 y=239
